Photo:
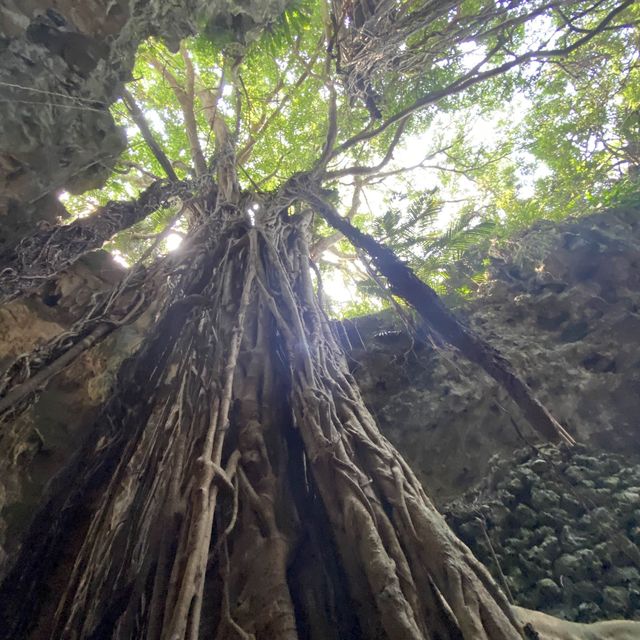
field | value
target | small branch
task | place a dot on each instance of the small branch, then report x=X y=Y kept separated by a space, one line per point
x=364 y=171
x=143 y=126
x=332 y=130
x=265 y=121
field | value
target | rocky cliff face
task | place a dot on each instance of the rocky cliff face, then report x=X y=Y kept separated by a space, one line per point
x=559 y=530
x=62 y=64
x=36 y=445
x=562 y=304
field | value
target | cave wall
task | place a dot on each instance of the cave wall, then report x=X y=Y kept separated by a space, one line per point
x=62 y=63
x=559 y=530
x=36 y=445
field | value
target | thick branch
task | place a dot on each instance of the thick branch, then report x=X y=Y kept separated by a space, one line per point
x=186 y=99
x=38 y=381
x=427 y=303
x=323 y=244
x=45 y=253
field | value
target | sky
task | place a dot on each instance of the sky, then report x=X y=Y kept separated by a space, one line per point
x=481 y=131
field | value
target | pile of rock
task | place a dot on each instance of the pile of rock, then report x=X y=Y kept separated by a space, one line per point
x=562 y=530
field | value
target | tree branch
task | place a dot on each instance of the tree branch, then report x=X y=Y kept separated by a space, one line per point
x=365 y=171
x=326 y=243
x=473 y=77
x=45 y=253
x=143 y=126
x=405 y=284
x=266 y=120
x=186 y=101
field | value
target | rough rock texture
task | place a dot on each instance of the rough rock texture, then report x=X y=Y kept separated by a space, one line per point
x=573 y=323
x=36 y=445
x=563 y=527
x=563 y=305
x=62 y=64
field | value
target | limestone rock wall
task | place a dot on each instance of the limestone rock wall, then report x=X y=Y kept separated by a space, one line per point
x=561 y=529
x=34 y=447
x=62 y=63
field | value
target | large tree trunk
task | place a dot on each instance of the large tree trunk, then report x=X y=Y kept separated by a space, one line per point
x=235 y=484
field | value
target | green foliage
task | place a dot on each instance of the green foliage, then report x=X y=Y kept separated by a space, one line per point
x=541 y=140
x=439 y=256
x=577 y=146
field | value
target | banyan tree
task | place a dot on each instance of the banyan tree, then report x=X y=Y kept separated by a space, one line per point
x=234 y=484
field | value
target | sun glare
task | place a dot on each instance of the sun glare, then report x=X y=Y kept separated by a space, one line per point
x=173 y=241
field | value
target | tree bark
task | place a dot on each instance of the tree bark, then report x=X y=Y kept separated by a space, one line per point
x=184 y=513
x=147 y=135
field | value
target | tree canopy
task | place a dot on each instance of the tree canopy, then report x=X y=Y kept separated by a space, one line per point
x=438 y=129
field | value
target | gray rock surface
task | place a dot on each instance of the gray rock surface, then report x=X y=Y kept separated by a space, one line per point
x=448 y=417
x=583 y=563
x=62 y=64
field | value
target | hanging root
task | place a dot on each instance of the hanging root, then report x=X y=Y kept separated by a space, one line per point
x=392 y=541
